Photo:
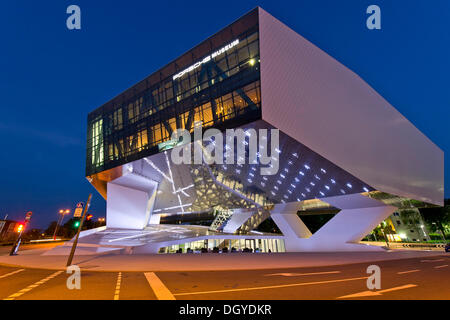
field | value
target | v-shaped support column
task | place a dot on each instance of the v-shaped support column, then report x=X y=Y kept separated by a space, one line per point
x=285 y=217
x=359 y=215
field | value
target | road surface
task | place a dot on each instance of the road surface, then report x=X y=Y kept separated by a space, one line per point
x=5 y=250
x=416 y=278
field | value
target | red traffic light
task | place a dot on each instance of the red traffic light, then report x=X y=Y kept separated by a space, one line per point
x=89 y=217
x=19 y=228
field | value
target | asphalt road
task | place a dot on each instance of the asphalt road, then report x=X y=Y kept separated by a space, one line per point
x=418 y=278
x=5 y=250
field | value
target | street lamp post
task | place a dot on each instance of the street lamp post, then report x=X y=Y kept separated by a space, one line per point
x=61 y=218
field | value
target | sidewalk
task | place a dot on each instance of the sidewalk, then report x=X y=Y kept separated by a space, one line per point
x=207 y=262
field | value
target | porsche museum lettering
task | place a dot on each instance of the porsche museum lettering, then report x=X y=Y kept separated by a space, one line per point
x=207 y=59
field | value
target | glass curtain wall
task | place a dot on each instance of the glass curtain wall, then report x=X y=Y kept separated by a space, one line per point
x=237 y=245
x=225 y=88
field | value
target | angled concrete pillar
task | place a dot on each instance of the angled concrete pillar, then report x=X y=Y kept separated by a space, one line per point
x=130 y=201
x=285 y=217
x=359 y=215
x=237 y=219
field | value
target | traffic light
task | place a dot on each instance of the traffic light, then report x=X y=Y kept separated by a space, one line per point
x=89 y=217
x=76 y=224
x=19 y=228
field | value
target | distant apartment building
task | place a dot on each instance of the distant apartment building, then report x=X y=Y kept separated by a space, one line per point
x=409 y=225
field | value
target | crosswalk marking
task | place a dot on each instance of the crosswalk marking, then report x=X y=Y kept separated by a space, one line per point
x=32 y=286
x=158 y=287
x=11 y=273
x=119 y=280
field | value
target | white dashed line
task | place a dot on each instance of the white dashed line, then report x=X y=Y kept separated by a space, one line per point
x=409 y=271
x=119 y=280
x=377 y=293
x=443 y=266
x=32 y=286
x=271 y=287
x=158 y=287
x=301 y=274
x=11 y=273
x=437 y=260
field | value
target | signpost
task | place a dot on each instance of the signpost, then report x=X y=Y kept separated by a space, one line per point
x=20 y=229
x=79 y=210
x=75 y=242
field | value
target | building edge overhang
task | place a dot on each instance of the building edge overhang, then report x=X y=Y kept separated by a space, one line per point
x=289 y=62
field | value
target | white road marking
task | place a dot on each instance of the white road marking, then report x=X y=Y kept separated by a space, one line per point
x=32 y=286
x=301 y=274
x=158 y=287
x=11 y=273
x=437 y=260
x=376 y=293
x=119 y=281
x=270 y=287
x=409 y=271
x=443 y=266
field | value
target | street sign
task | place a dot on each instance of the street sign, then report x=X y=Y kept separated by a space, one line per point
x=20 y=229
x=78 y=210
x=75 y=242
x=28 y=216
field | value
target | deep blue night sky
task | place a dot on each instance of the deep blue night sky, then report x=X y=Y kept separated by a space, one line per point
x=51 y=77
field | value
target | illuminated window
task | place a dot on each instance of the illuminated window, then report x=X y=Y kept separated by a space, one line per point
x=207 y=114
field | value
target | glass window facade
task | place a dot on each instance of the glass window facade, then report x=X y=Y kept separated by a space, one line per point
x=223 y=92
x=231 y=245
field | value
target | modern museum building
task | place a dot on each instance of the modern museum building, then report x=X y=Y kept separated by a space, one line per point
x=329 y=142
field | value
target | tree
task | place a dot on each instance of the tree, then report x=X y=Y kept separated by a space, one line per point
x=32 y=234
x=437 y=218
x=69 y=229
x=51 y=228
